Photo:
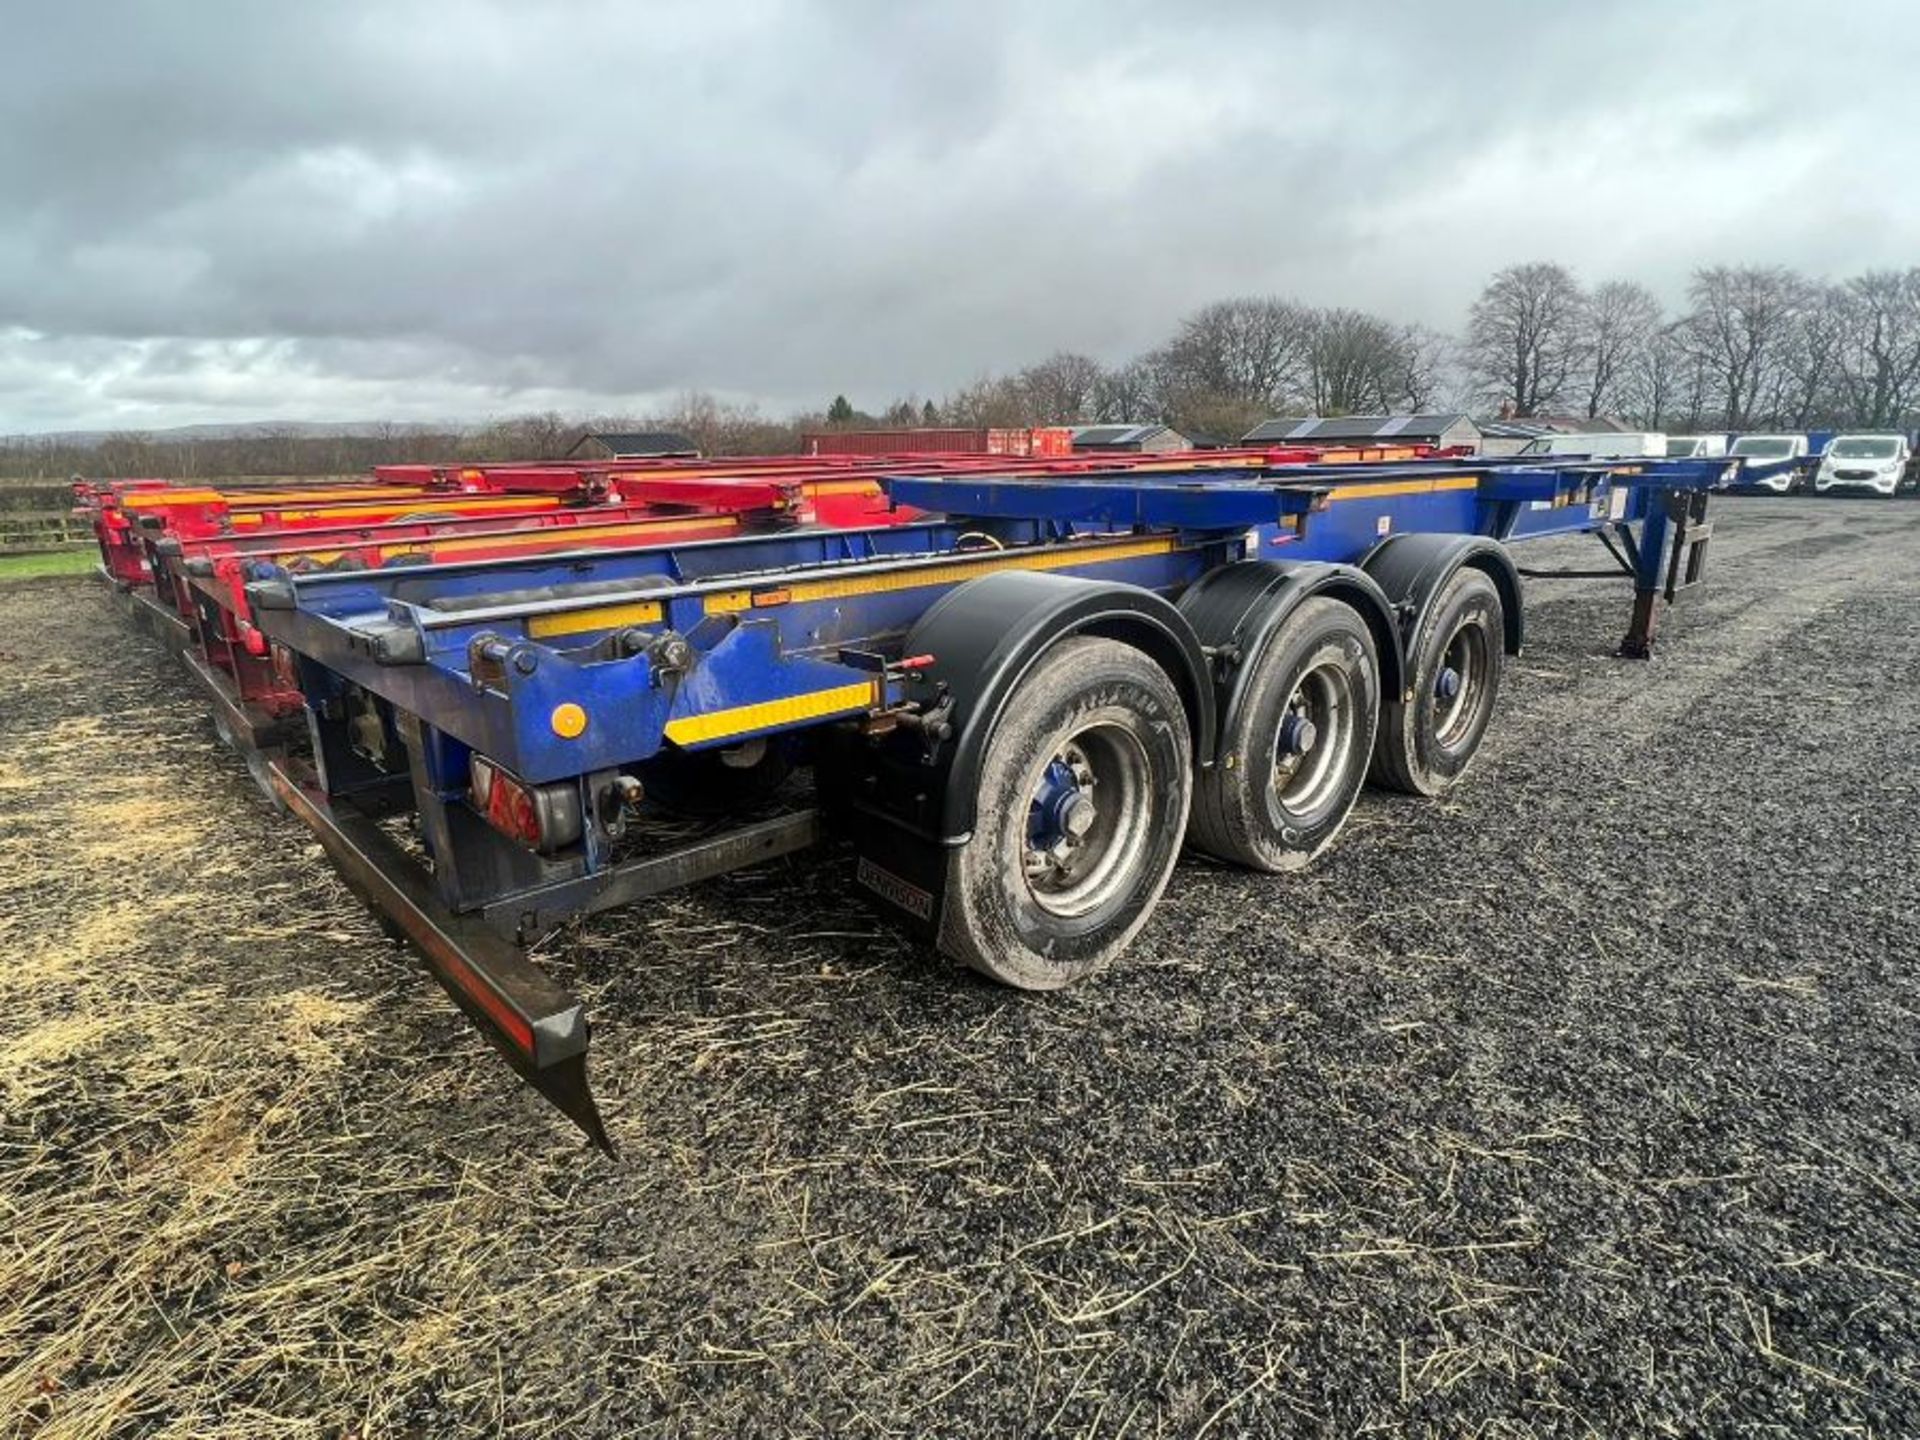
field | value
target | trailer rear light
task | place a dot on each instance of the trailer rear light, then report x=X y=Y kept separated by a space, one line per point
x=544 y=818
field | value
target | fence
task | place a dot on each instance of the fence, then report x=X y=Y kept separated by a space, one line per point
x=42 y=530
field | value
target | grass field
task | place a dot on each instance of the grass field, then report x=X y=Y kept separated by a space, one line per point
x=41 y=563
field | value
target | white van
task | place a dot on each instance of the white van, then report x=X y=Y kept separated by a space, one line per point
x=1864 y=462
x=1696 y=447
x=1773 y=461
x=1607 y=445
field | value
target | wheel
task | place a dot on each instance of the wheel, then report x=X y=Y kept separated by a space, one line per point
x=1426 y=743
x=1084 y=790
x=1294 y=754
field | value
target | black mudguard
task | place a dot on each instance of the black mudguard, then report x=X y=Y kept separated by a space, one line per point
x=1413 y=568
x=907 y=799
x=1238 y=609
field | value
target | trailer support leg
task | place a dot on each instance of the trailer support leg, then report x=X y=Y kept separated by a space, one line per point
x=1671 y=557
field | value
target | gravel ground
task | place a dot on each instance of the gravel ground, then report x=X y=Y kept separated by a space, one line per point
x=1582 y=1103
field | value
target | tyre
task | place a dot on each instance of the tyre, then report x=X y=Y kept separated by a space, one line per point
x=1084 y=789
x=1426 y=743
x=1295 y=749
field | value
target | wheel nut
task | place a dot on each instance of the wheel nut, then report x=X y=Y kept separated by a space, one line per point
x=1079 y=816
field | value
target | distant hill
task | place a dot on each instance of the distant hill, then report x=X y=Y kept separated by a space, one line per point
x=300 y=428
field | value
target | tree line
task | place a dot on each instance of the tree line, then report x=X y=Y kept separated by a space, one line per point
x=1757 y=347
x=1754 y=347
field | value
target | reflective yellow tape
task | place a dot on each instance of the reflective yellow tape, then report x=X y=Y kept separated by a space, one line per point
x=741 y=719
x=1405 y=487
x=152 y=499
x=464 y=506
x=155 y=499
x=843 y=487
x=953 y=572
x=601 y=617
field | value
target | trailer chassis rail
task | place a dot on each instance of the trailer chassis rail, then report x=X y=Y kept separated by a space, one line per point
x=537 y=1025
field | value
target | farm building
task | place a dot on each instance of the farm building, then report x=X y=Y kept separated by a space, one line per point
x=633 y=445
x=1128 y=439
x=1508 y=437
x=1447 y=430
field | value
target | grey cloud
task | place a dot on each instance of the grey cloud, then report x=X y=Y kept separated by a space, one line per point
x=223 y=210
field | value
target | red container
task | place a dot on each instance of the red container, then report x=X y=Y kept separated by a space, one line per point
x=929 y=440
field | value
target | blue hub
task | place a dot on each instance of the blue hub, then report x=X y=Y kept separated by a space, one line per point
x=1060 y=811
x=1446 y=684
x=1297 y=734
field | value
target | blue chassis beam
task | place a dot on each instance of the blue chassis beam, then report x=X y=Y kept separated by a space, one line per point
x=565 y=627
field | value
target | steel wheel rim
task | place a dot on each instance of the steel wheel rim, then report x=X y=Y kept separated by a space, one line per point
x=1322 y=696
x=1466 y=656
x=1112 y=772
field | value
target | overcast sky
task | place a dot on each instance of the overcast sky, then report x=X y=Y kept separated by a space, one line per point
x=426 y=209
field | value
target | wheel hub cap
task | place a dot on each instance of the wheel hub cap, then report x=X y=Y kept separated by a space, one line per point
x=1062 y=811
x=1297 y=734
x=1088 y=821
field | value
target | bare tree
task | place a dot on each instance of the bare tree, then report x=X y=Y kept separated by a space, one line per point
x=1425 y=367
x=1252 y=351
x=1742 y=317
x=1355 y=363
x=1811 y=369
x=1649 y=387
x=722 y=427
x=1061 y=389
x=989 y=401
x=1880 y=361
x=1618 y=323
x=1126 y=395
x=1523 y=335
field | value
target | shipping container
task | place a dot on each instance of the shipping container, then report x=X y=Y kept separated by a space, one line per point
x=940 y=440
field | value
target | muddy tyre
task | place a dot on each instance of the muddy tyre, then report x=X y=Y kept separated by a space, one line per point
x=1427 y=742
x=1295 y=749
x=1084 y=789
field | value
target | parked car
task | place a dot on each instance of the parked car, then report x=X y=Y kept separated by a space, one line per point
x=1876 y=463
x=1696 y=447
x=1775 y=463
x=1605 y=445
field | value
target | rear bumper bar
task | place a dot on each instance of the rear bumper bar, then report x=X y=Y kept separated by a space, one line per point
x=538 y=1025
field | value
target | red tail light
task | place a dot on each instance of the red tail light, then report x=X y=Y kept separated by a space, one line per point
x=544 y=818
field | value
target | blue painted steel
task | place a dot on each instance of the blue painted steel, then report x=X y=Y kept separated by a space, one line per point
x=867 y=589
x=1047 y=815
x=757 y=656
x=348 y=592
